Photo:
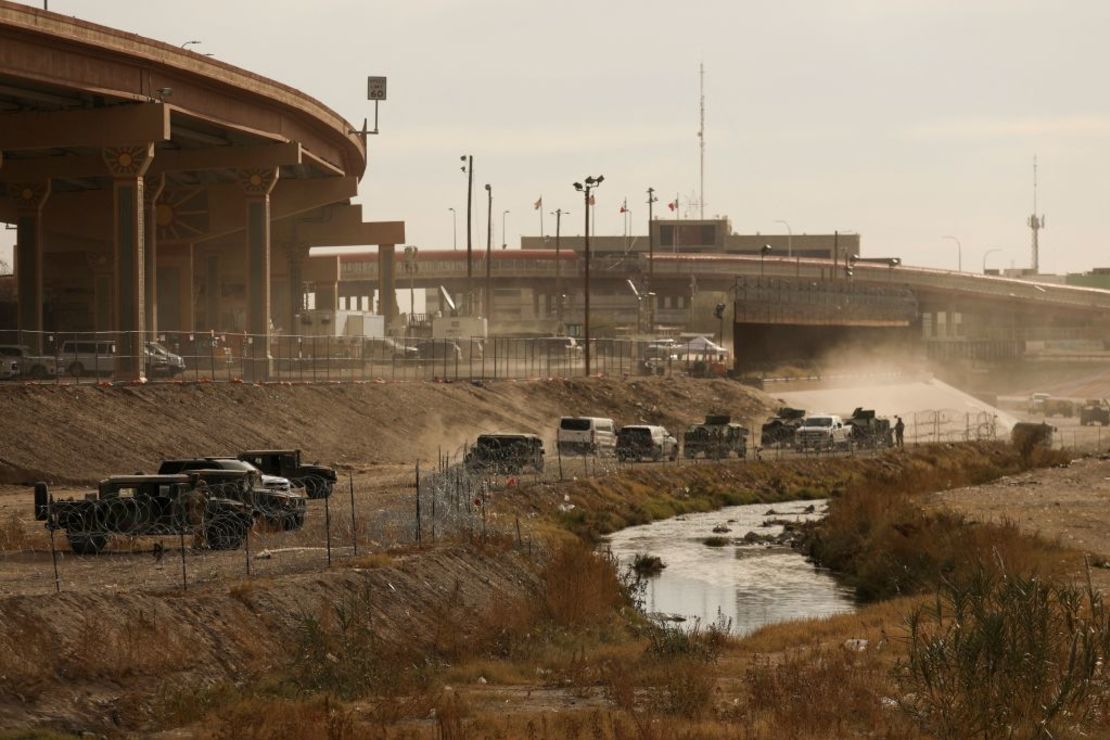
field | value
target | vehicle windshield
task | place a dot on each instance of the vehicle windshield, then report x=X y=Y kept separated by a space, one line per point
x=575 y=425
x=635 y=434
x=818 y=421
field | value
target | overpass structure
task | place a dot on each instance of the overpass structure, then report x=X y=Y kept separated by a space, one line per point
x=156 y=189
x=956 y=309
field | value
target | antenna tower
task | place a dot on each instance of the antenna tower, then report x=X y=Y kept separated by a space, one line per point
x=701 y=141
x=1035 y=222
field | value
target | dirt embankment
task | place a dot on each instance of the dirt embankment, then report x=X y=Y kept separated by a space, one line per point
x=71 y=433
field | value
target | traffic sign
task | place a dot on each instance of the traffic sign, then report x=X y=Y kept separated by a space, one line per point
x=375 y=88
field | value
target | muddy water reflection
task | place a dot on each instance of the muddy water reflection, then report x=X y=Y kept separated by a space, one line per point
x=753 y=585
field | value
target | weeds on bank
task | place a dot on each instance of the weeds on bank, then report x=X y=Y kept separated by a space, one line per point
x=1008 y=655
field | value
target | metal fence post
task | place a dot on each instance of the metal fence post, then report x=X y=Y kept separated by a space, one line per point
x=418 y=502
x=354 y=522
x=327 y=526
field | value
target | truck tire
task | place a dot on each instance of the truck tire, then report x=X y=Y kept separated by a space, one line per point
x=76 y=369
x=86 y=543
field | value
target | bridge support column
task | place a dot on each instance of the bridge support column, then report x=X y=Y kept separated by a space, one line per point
x=29 y=198
x=128 y=165
x=387 y=293
x=327 y=296
x=152 y=190
x=187 y=290
x=257 y=186
x=297 y=254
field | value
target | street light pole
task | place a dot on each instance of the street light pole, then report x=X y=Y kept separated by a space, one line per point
x=651 y=259
x=959 y=253
x=454 y=229
x=503 y=239
x=789 y=238
x=558 y=266
x=468 y=168
x=591 y=183
x=986 y=253
x=489 y=257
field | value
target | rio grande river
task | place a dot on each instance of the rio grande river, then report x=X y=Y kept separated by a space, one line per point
x=751 y=585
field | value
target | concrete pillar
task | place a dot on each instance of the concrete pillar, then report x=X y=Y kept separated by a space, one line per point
x=257 y=185
x=29 y=198
x=152 y=190
x=127 y=165
x=187 y=290
x=387 y=283
x=327 y=296
x=297 y=254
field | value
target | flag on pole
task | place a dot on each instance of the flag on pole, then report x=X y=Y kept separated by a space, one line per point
x=624 y=206
x=538 y=204
x=673 y=205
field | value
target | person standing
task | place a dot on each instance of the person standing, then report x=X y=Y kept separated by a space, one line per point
x=899 y=432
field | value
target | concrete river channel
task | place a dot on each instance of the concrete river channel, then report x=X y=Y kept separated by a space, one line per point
x=750 y=584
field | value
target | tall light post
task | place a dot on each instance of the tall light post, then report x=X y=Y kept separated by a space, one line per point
x=789 y=238
x=410 y=268
x=591 y=184
x=187 y=44
x=959 y=253
x=558 y=213
x=503 y=239
x=454 y=229
x=986 y=254
x=468 y=168
x=651 y=260
x=489 y=256
x=763 y=253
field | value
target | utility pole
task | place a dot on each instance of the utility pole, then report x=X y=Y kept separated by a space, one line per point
x=489 y=257
x=591 y=183
x=651 y=259
x=701 y=141
x=558 y=266
x=468 y=168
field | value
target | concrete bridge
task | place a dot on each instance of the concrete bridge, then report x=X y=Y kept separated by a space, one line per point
x=154 y=188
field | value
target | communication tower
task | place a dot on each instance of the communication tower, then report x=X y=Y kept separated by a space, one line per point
x=1035 y=222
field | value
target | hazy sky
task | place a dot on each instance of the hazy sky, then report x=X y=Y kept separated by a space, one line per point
x=904 y=120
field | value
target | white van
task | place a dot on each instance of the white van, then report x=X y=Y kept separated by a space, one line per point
x=639 y=441
x=81 y=357
x=587 y=435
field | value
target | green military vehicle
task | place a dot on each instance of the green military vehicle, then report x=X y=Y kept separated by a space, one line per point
x=868 y=431
x=716 y=438
x=147 y=505
x=1095 y=411
x=779 y=430
x=318 y=481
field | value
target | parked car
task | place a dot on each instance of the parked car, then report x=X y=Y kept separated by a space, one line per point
x=386 y=349
x=79 y=357
x=505 y=453
x=439 y=350
x=272 y=498
x=18 y=360
x=160 y=361
x=1036 y=402
x=640 y=441
x=716 y=438
x=822 y=432
x=586 y=435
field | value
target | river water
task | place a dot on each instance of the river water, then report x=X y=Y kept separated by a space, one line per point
x=751 y=585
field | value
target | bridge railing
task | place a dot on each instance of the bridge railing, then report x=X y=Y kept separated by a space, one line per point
x=785 y=300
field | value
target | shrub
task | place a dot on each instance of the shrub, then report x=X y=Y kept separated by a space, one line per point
x=645 y=565
x=581 y=587
x=1007 y=655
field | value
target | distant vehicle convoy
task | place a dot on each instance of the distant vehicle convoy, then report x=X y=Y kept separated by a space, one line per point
x=219 y=498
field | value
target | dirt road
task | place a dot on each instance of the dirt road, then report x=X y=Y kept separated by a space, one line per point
x=1071 y=505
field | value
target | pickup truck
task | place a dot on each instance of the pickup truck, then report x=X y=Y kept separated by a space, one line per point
x=19 y=361
x=822 y=432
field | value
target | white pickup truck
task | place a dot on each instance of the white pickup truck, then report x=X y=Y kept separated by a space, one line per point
x=19 y=361
x=822 y=432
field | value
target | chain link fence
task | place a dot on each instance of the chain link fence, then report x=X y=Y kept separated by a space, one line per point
x=97 y=357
